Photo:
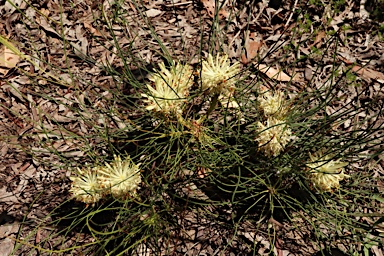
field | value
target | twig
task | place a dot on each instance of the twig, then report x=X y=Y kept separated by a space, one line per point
x=178 y=4
x=290 y=16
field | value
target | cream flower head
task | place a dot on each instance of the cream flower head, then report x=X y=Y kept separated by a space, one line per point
x=171 y=87
x=273 y=137
x=85 y=186
x=121 y=178
x=272 y=104
x=326 y=173
x=216 y=74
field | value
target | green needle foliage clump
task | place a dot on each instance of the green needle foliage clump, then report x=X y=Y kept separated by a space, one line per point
x=203 y=138
x=268 y=155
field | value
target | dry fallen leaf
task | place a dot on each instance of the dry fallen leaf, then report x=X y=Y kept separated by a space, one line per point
x=210 y=6
x=38 y=236
x=275 y=74
x=81 y=45
x=319 y=37
x=203 y=172
x=8 y=59
x=7 y=234
x=369 y=73
x=91 y=29
x=46 y=26
x=11 y=6
x=252 y=46
x=377 y=251
x=152 y=13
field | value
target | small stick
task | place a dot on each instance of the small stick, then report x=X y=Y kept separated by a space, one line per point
x=290 y=16
x=184 y=3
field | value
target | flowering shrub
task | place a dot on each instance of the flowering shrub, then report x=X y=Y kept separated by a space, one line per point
x=168 y=93
x=200 y=153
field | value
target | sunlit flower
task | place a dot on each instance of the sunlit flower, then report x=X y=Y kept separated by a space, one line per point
x=216 y=75
x=273 y=137
x=171 y=87
x=121 y=178
x=272 y=104
x=326 y=173
x=85 y=186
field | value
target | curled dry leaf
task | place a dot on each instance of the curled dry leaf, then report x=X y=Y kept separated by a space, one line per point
x=8 y=58
x=252 y=47
x=210 y=6
x=276 y=74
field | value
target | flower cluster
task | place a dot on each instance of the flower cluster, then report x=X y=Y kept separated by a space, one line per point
x=274 y=133
x=216 y=73
x=121 y=178
x=85 y=186
x=272 y=104
x=273 y=137
x=171 y=87
x=325 y=173
x=216 y=78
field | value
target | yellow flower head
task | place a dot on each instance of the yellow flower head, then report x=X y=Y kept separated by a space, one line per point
x=273 y=137
x=326 y=173
x=85 y=186
x=121 y=178
x=272 y=104
x=216 y=74
x=171 y=87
